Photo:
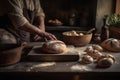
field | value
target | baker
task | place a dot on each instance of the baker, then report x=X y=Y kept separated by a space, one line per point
x=23 y=19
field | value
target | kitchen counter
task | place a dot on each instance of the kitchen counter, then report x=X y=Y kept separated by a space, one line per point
x=71 y=70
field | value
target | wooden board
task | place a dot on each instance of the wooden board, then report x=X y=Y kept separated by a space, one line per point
x=37 y=55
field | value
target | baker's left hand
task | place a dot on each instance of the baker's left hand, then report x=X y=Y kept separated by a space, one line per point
x=37 y=37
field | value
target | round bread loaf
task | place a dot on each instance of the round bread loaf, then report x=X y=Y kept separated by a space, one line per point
x=54 y=46
x=105 y=61
x=87 y=59
x=6 y=37
x=95 y=54
x=97 y=47
x=111 y=44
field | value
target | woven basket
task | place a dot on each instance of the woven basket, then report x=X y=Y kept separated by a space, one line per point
x=77 y=40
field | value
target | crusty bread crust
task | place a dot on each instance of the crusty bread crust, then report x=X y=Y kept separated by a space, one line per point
x=111 y=45
x=54 y=47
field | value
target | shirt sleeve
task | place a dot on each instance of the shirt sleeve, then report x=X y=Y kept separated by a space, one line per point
x=39 y=10
x=15 y=13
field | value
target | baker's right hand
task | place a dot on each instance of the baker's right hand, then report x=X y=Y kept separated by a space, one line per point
x=47 y=36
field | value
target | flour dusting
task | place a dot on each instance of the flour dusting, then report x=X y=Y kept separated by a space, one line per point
x=54 y=41
x=57 y=46
x=45 y=64
x=80 y=68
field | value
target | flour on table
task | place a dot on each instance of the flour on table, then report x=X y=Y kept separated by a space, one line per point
x=80 y=68
x=45 y=64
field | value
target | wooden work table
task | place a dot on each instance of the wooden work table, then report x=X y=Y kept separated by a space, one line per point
x=60 y=70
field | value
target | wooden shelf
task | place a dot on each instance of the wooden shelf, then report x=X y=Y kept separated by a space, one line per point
x=65 y=28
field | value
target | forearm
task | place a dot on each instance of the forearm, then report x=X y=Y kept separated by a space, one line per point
x=41 y=20
x=35 y=30
x=30 y=28
x=41 y=23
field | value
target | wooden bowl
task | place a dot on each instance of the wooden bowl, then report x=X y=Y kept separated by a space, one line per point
x=77 y=40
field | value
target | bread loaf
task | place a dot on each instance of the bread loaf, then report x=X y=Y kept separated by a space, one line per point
x=111 y=44
x=94 y=47
x=95 y=54
x=6 y=37
x=87 y=59
x=97 y=47
x=54 y=46
x=105 y=61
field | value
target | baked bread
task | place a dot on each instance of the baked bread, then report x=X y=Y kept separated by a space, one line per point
x=95 y=54
x=111 y=44
x=97 y=47
x=94 y=51
x=55 y=22
x=73 y=33
x=6 y=37
x=7 y=40
x=54 y=46
x=105 y=61
x=87 y=59
x=94 y=47
x=89 y=49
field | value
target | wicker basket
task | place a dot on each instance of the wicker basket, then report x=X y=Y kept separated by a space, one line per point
x=77 y=40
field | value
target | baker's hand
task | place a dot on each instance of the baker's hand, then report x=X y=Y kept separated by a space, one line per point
x=37 y=37
x=47 y=36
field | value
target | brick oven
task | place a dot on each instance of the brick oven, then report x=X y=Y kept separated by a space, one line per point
x=86 y=14
x=64 y=9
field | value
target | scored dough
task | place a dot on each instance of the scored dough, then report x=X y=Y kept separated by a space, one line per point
x=54 y=46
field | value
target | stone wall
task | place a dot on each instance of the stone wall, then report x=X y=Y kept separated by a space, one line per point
x=103 y=7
